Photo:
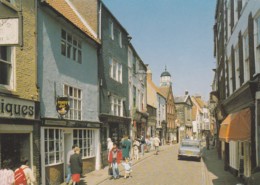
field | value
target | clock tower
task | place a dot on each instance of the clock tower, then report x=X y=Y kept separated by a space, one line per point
x=165 y=79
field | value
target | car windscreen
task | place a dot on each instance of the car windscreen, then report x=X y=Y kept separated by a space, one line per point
x=190 y=144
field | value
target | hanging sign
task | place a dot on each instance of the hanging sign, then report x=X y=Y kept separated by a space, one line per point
x=62 y=105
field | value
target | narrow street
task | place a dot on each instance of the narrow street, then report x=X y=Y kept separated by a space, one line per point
x=164 y=169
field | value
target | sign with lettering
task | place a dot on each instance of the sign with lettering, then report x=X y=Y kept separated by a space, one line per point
x=62 y=105
x=9 y=31
x=16 y=108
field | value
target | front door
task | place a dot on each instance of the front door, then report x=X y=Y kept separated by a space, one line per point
x=68 y=142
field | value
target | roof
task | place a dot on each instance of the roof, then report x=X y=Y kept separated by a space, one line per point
x=165 y=73
x=164 y=90
x=180 y=99
x=69 y=12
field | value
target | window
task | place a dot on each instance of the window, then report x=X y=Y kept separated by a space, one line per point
x=257 y=60
x=116 y=106
x=6 y=67
x=120 y=39
x=85 y=139
x=230 y=69
x=111 y=29
x=71 y=47
x=134 y=65
x=75 y=97
x=237 y=67
x=134 y=96
x=115 y=70
x=246 y=58
x=53 y=143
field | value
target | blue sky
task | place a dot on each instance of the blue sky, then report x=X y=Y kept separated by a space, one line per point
x=173 y=33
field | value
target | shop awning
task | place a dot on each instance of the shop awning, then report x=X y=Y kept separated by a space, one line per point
x=236 y=126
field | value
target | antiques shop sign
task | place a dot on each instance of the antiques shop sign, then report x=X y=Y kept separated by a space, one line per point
x=16 y=108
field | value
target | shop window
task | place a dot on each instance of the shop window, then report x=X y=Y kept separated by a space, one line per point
x=6 y=67
x=85 y=139
x=53 y=143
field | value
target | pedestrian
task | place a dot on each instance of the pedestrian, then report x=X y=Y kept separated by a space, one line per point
x=6 y=174
x=126 y=146
x=127 y=164
x=76 y=166
x=24 y=174
x=70 y=153
x=115 y=158
x=148 y=143
x=136 y=145
x=156 y=142
x=207 y=141
x=142 y=142
x=109 y=146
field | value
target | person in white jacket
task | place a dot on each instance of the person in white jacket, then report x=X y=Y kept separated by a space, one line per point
x=109 y=146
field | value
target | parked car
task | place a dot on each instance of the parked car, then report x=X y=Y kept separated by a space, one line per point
x=190 y=149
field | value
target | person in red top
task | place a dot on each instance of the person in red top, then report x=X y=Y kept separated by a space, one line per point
x=115 y=158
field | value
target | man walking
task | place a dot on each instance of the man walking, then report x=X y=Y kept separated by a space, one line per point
x=156 y=143
x=70 y=153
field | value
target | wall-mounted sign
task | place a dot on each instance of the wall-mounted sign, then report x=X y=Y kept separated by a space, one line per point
x=62 y=105
x=9 y=31
x=16 y=108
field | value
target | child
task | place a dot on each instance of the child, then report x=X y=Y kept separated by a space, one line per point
x=115 y=158
x=127 y=166
x=136 y=144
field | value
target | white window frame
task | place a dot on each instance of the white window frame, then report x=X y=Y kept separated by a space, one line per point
x=257 y=41
x=116 y=104
x=85 y=139
x=230 y=74
x=53 y=147
x=120 y=39
x=246 y=57
x=237 y=66
x=111 y=29
x=71 y=46
x=10 y=76
x=116 y=70
x=75 y=97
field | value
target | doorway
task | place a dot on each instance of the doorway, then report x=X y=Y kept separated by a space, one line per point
x=67 y=147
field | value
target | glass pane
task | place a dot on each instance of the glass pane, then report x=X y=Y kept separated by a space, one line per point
x=63 y=48
x=79 y=94
x=57 y=133
x=80 y=143
x=46 y=146
x=85 y=134
x=75 y=93
x=79 y=45
x=51 y=134
x=79 y=105
x=69 y=50
x=75 y=42
x=74 y=54
x=79 y=115
x=63 y=34
x=84 y=152
x=75 y=133
x=51 y=146
x=46 y=158
x=70 y=91
x=57 y=157
x=80 y=134
x=75 y=104
x=79 y=57
x=46 y=134
x=57 y=146
x=51 y=157
x=65 y=90
x=69 y=38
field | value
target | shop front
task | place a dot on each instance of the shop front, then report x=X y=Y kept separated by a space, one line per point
x=18 y=132
x=57 y=138
x=113 y=127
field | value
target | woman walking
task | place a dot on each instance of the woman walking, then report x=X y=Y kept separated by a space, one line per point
x=76 y=166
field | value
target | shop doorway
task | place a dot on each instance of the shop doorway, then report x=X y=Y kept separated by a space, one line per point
x=67 y=147
x=15 y=147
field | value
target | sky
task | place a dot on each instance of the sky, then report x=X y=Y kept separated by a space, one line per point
x=177 y=34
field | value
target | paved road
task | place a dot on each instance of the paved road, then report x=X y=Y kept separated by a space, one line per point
x=164 y=169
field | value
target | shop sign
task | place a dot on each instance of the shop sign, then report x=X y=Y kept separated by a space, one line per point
x=62 y=105
x=9 y=32
x=16 y=108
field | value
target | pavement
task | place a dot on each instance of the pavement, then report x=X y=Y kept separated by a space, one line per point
x=213 y=170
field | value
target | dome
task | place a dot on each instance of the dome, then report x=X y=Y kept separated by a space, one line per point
x=165 y=73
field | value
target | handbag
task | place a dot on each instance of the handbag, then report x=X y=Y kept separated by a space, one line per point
x=110 y=171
